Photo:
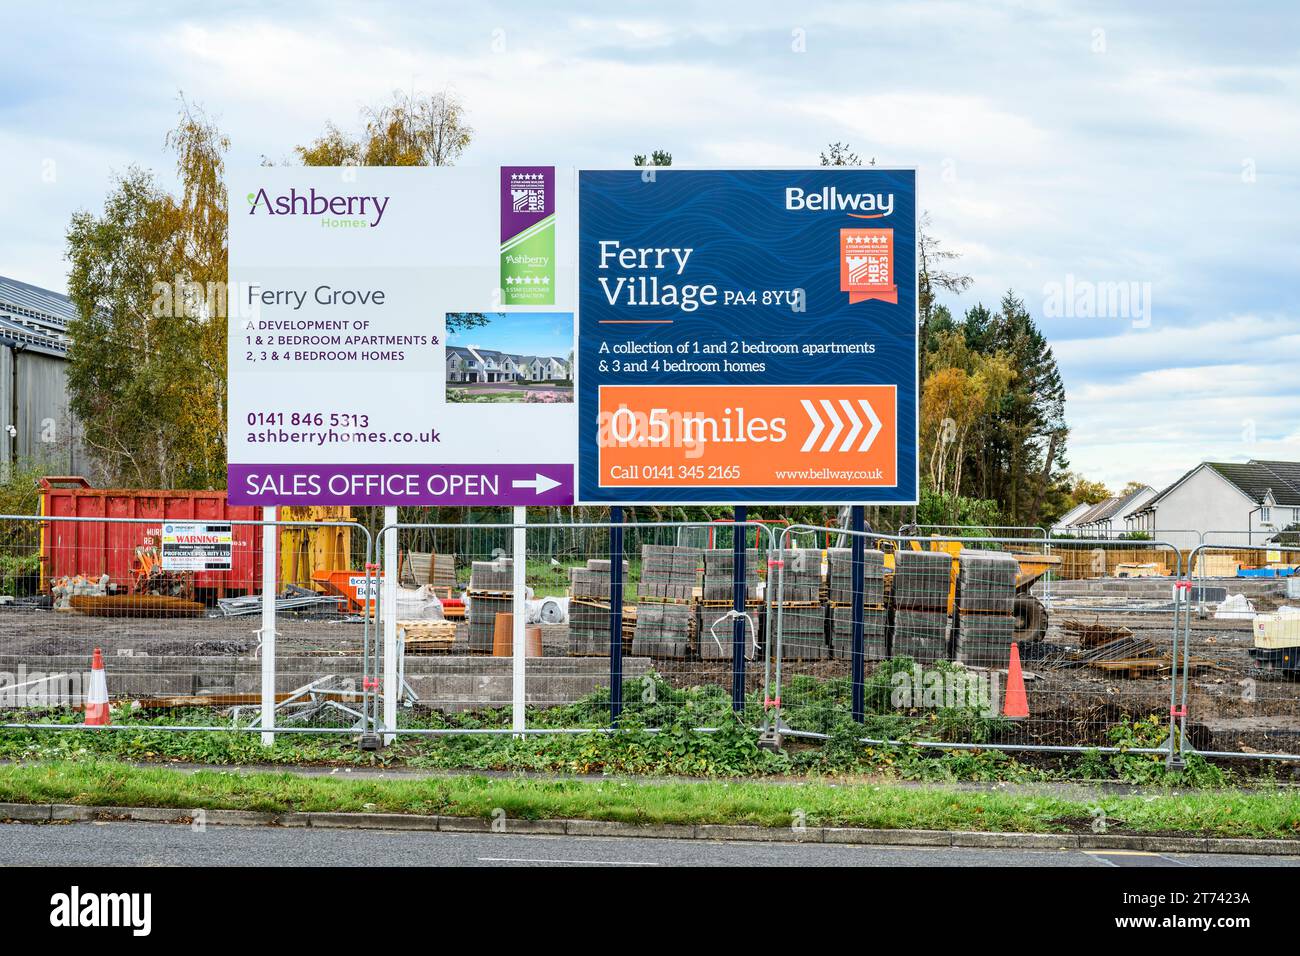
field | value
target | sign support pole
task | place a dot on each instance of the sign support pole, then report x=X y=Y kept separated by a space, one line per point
x=738 y=603
x=858 y=555
x=268 y=625
x=615 y=615
x=388 y=586
x=519 y=618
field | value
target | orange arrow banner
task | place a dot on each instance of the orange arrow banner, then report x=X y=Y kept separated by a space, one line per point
x=754 y=436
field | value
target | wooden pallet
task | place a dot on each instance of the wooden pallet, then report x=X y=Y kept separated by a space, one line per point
x=427 y=635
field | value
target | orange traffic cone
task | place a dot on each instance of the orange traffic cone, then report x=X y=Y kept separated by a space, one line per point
x=1015 y=704
x=97 y=700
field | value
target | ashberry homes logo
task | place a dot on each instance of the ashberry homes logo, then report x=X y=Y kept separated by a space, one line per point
x=335 y=211
x=77 y=909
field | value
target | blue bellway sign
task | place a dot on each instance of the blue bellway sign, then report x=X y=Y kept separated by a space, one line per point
x=747 y=336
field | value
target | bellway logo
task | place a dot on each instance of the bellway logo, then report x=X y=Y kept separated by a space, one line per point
x=344 y=210
x=828 y=198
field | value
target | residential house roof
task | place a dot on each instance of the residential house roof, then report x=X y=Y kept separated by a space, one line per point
x=1096 y=512
x=1253 y=479
x=466 y=352
x=1069 y=517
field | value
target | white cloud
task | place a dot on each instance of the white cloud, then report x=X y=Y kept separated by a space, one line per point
x=1037 y=157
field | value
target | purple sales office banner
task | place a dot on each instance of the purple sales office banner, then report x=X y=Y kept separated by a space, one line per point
x=417 y=485
x=528 y=235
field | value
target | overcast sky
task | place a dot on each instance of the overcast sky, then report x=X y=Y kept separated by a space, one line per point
x=545 y=334
x=1061 y=147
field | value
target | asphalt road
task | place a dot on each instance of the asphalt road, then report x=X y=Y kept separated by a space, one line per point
x=149 y=844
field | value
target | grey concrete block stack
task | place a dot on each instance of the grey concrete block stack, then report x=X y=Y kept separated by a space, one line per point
x=666 y=594
x=875 y=617
x=986 y=597
x=589 y=628
x=714 y=636
x=875 y=632
x=801 y=575
x=803 y=632
x=668 y=572
x=716 y=625
x=490 y=593
x=663 y=630
x=589 y=608
x=719 y=572
x=495 y=575
x=839 y=566
x=802 y=612
x=922 y=628
x=592 y=582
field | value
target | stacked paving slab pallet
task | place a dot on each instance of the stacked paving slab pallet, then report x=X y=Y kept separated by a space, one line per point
x=803 y=615
x=668 y=572
x=839 y=567
x=719 y=569
x=490 y=593
x=665 y=615
x=492 y=576
x=875 y=617
x=800 y=570
x=716 y=623
x=986 y=597
x=922 y=629
x=663 y=629
x=716 y=631
x=589 y=608
x=803 y=631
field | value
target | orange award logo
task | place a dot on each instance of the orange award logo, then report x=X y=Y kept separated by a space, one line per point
x=867 y=264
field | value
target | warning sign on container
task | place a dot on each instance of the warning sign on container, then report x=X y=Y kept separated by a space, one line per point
x=196 y=547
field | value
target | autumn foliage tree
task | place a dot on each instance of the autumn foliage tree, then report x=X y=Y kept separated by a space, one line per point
x=955 y=407
x=409 y=130
x=147 y=363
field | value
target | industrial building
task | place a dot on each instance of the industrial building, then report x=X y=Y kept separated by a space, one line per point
x=35 y=421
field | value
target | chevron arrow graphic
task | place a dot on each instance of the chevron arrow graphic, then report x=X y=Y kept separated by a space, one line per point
x=875 y=424
x=851 y=437
x=818 y=424
x=855 y=427
x=837 y=426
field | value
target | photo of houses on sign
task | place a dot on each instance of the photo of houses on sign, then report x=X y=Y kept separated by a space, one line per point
x=510 y=357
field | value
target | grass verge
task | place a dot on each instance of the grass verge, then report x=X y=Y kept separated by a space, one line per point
x=1224 y=813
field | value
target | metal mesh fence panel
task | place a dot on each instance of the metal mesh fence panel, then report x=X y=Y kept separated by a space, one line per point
x=945 y=624
x=181 y=648
x=675 y=630
x=1237 y=690
x=1129 y=644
